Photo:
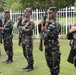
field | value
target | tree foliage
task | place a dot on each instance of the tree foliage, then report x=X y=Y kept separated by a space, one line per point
x=2 y=2
x=43 y=3
x=22 y=4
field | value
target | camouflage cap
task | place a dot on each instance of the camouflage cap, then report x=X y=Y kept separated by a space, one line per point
x=28 y=9
x=52 y=9
x=6 y=11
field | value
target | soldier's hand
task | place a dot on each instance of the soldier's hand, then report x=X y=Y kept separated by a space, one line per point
x=20 y=18
x=1 y=28
x=20 y=27
x=74 y=36
x=43 y=28
x=41 y=22
x=72 y=29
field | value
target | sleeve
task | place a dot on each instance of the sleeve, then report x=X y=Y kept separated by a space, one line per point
x=69 y=36
x=9 y=26
x=30 y=27
x=54 y=34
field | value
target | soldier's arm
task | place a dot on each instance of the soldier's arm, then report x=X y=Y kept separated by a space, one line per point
x=71 y=32
x=30 y=27
x=9 y=26
x=40 y=27
x=54 y=34
x=69 y=36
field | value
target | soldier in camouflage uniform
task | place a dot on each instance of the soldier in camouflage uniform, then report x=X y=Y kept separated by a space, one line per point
x=27 y=41
x=71 y=35
x=51 y=31
x=7 y=36
x=0 y=35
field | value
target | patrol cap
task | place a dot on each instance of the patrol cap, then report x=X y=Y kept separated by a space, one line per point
x=28 y=9
x=52 y=9
x=6 y=11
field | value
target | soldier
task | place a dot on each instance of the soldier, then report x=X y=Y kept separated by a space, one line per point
x=27 y=41
x=51 y=31
x=0 y=30
x=0 y=35
x=71 y=35
x=7 y=36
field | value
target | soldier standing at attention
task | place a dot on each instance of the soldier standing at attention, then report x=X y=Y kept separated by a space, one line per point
x=71 y=35
x=7 y=36
x=26 y=38
x=51 y=30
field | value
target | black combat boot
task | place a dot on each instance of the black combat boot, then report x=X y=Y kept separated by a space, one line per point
x=30 y=68
x=10 y=60
x=26 y=67
x=53 y=74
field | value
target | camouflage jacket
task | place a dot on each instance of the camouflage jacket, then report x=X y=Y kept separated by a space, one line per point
x=53 y=30
x=8 y=27
x=27 y=27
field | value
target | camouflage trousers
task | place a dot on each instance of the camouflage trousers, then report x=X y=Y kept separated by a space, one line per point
x=27 y=46
x=8 y=46
x=53 y=60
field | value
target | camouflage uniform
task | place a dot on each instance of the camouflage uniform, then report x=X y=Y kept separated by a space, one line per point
x=72 y=55
x=27 y=41
x=7 y=37
x=0 y=35
x=0 y=31
x=52 y=52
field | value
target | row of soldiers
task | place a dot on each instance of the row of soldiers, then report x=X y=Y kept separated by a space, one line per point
x=50 y=32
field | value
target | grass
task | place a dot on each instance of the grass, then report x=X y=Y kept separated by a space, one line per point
x=40 y=66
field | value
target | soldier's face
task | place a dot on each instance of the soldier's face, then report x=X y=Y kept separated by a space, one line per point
x=6 y=15
x=27 y=14
x=51 y=15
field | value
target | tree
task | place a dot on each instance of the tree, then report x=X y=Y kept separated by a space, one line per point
x=1 y=5
x=43 y=3
x=62 y=3
x=22 y=4
x=13 y=4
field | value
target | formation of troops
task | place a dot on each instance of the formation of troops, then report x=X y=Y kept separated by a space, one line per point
x=50 y=29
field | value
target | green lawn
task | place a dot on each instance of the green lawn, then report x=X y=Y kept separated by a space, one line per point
x=40 y=67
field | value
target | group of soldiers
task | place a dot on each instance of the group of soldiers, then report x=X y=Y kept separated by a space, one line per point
x=50 y=31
